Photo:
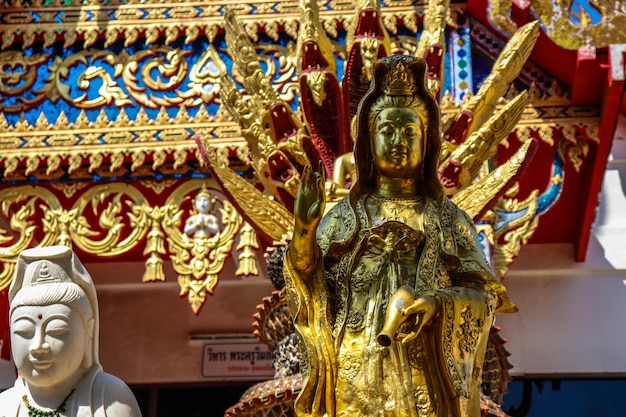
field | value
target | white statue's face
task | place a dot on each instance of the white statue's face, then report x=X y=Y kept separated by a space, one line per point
x=48 y=343
x=202 y=204
x=397 y=142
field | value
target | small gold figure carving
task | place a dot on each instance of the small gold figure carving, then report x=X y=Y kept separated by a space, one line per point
x=396 y=250
x=199 y=260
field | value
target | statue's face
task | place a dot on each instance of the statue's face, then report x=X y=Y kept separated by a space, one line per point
x=202 y=204
x=48 y=343
x=397 y=145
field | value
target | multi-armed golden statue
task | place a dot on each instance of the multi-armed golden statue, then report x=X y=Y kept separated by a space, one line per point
x=395 y=247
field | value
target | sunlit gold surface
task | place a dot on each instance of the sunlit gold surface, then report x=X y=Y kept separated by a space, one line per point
x=517 y=232
x=474 y=198
x=569 y=28
x=125 y=220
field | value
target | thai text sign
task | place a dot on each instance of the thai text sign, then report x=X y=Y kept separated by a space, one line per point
x=229 y=359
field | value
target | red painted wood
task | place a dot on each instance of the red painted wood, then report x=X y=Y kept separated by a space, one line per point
x=613 y=96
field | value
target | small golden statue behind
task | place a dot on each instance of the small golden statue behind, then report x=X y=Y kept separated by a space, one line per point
x=394 y=250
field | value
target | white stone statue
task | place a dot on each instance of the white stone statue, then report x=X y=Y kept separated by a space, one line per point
x=202 y=223
x=54 y=339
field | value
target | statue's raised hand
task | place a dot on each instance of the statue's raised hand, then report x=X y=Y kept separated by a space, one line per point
x=310 y=200
x=308 y=211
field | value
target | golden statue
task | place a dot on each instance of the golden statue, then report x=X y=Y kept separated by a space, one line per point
x=395 y=249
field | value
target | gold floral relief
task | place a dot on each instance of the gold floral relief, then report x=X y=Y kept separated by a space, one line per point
x=117 y=20
x=108 y=220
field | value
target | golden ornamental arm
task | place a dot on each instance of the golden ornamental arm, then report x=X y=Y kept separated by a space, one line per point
x=311 y=30
x=505 y=70
x=432 y=42
x=269 y=217
x=464 y=163
x=273 y=153
x=244 y=112
x=478 y=197
x=360 y=7
x=369 y=44
x=434 y=26
x=241 y=49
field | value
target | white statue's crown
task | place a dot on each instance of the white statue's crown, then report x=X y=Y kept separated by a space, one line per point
x=51 y=264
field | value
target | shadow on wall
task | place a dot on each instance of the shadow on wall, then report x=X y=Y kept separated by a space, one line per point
x=536 y=397
x=209 y=400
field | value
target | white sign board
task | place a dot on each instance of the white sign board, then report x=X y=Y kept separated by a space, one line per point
x=236 y=359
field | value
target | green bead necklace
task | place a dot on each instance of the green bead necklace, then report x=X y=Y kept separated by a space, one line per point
x=35 y=412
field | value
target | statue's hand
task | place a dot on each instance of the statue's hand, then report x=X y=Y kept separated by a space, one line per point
x=311 y=199
x=425 y=308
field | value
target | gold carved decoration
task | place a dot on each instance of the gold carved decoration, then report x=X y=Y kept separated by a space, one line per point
x=163 y=70
x=481 y=144
x=247 y=243
x=131 y=20
x=505 y=69
x=510 y=239
x=198 y=260
x=271 y=217
x=45 y=148
x=475 y=197
x=567 y=26
x=152 y=79
x=574 y=145
x=526 y=115
x=158 y=186
x=109 y=220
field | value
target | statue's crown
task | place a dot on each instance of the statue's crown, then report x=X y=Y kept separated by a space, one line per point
x=204 y=192
x=399 y=80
